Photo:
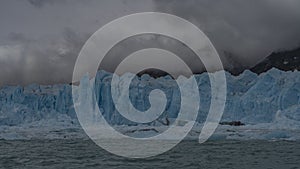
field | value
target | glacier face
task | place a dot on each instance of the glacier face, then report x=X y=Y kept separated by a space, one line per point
x=272 y=97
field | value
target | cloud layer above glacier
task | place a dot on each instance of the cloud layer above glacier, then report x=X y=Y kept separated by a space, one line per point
x=40 y=40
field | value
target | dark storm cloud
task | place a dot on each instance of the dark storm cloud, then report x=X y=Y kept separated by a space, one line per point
x=41 y=3
x=242 y=31
x=40 y=39
x=40 y=61
x=130 y=45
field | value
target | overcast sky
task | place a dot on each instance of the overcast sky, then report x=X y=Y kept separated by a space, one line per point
x=40 y=40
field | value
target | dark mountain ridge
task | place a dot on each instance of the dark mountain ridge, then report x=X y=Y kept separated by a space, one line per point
x=288 y=60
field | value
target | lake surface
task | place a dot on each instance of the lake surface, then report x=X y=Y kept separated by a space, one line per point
x=80 y=153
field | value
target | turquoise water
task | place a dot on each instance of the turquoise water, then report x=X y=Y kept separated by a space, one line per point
x=188 y=154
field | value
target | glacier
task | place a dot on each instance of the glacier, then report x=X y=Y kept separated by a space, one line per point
x=267 y=103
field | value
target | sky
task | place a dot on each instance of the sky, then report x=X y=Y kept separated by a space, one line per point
x=41 y=39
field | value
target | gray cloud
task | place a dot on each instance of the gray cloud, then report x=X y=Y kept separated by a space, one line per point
x=247 y=30
x=126 y=47
x=40 y=40
x=40 y=61
x=41 y=3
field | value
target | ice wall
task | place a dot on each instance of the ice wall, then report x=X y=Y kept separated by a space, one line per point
x=251 y=99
